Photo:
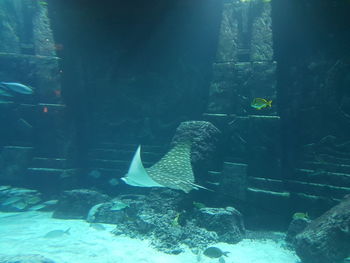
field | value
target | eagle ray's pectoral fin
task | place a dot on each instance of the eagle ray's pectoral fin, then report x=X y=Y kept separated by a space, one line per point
x=137 y=174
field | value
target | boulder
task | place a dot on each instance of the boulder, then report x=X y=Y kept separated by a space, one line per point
x=168 y=219
x=204 y=137
x=18 y=199
x=75 y=204
x=327 y=238
x=226 y=222
x=295 y=227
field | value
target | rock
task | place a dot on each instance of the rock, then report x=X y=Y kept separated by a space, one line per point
x=226 y=222
x=204 y=136
x=327 y=238
x=75 y=204
x=31 y=258
x=295 y=227
x=164 y=217
x=18 y=199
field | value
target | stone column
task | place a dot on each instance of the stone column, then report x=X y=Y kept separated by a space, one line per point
x=245 y=69
x=33 y=126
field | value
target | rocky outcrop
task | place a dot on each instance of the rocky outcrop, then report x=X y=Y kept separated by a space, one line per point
x=18 y=199
x=75 y=204
x=169 y=220
x=296 y=227
x=204 y=137
x=327 y=238
x=226 y=222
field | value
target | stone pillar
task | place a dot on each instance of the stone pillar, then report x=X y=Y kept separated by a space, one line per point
x=245 y=69
x=28 y=56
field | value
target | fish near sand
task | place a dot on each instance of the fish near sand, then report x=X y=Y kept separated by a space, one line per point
x=97 y=226
x=215 y=252
x=15 y=87
x=259 y=103
x=57 y=233
x=174 y=170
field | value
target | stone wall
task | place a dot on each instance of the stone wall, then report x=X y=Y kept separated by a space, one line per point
x=278 y=160
x=34 y=127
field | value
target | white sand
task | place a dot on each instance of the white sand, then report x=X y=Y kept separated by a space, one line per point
x=23 y=233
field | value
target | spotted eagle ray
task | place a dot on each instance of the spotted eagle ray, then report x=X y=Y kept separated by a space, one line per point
x=174 y=170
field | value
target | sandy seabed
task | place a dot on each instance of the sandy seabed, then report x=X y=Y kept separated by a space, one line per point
x=23 y=233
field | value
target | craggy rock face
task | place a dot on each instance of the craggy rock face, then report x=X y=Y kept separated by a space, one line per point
x=327 y=238
x=295 y=227
x=160 y=217
x=204 y=137
x=226 y=222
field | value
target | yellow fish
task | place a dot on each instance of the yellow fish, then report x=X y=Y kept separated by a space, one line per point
x=259 y=103
x=300 y=215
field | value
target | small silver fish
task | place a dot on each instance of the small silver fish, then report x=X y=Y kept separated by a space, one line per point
x=43 y=205
x=57 y=233
x=4 y=93
x=16 y=87
x=20 y=205
x=95 y=174
x=32 y=200
x=118 y=205
x=4 y=187
x=37 y=207
x=51 y=202
x=12 y=200
x=97 y=226
x=113 y=182
x=213 y=183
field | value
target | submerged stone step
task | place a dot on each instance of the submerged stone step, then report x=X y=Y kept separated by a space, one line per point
x=317 y=189
x=327 y=166
x=50 y=172
x=15 y=148
x=314 y=205
x=55 y=163
x=265 y=184
x=335 y=153
x=269 y=200
x=322 y=177
x=328 y=158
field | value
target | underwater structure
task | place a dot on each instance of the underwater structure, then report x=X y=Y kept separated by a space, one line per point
x=84 y=122
x=34 y=126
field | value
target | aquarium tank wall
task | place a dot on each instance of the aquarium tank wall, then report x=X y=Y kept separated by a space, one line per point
x=235 y=104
